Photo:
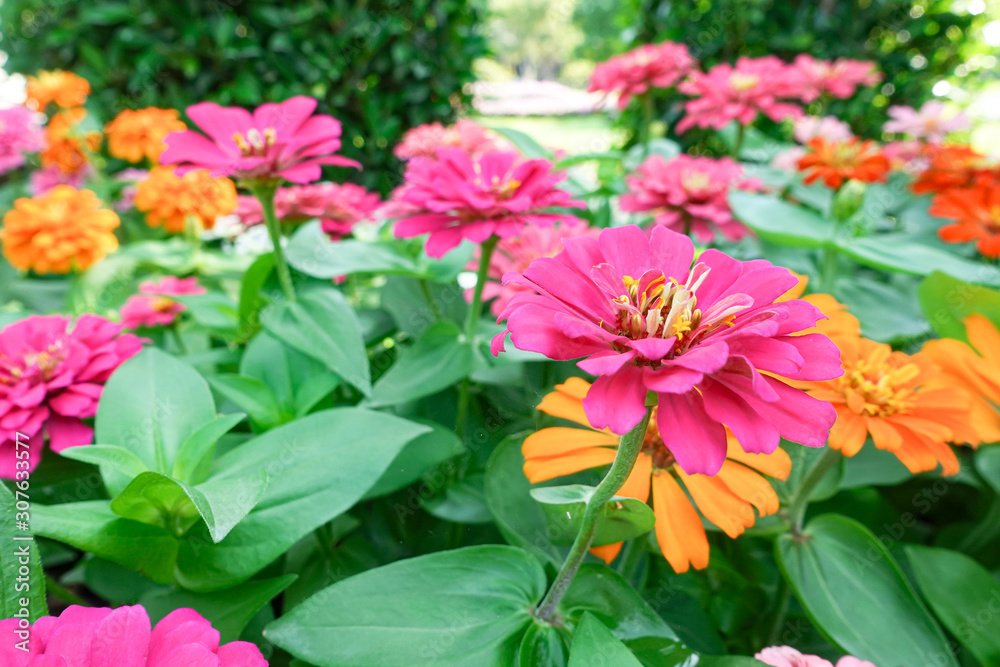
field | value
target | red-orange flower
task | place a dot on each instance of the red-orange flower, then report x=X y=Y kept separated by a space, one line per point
x=836 y=162
x=976 y=212
x=63 y=230
x=137 y=134
x=64 y=88
x=67 y=147
x=955 y=166
x=727 y=499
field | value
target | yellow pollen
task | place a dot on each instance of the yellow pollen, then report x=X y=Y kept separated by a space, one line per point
x=878 y=387
x=743 y=82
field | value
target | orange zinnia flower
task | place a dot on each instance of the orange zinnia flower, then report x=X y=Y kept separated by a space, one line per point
x=170 y=200
x=902 y=401
x=976 y=212
x=975 y=368
x=133 y=135
x=836 y=162
x=726 y=500
x=955 y=166
x=66 y=146
x=63 y=230
x=64 y=88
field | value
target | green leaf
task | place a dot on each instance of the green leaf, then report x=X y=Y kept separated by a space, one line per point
x=438 y=359
x=524 y=143
x=151 y=405
x=323 y=325
x=21 y=596
x=311 y=252
x=604 y=593
x=117 y=458
x=580 y=158
x=959 y=591
x=417 y=457
x=542 y=646
x=229 y=611
x=946 y=301
x=519 y=517
x=317 y=468
x=253 y=396
x=622 y=519
x=195 y=456
x=297 y=380
x=250 y=298
x=856 y=595
x=594 y=644
x=900 y=253
x=449 y=609
x=779 y=222
x=93 y=527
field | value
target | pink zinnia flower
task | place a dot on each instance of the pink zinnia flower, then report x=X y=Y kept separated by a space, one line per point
x=44 y=179
x=688 y=194
x=338 y=207
x=932 y=123
x=518 y=252
x=455 y=197
x=910 y=156
x=52 y=373
x=126 y=200
x=20 y=133
x=277 y=141
x=840 y=78
x=123 y=637
x=786 y=656
x=466 y=135
x=152 y=308
x=726 y=93
x=635 y=72
x=700 y=337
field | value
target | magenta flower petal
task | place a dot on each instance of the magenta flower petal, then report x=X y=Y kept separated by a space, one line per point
x=697 y=441
x=616 y=401
x=121 y=639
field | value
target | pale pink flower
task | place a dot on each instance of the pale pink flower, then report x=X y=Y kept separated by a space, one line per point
x=516 y=253
x=455 y=197
x=786 y=656
x=635 y=72
x=152 y=307
x=788 y=159
x=44 y=179
x=910 y=156
x=123 y=637
x=20 y=134
x=52 y=373
x=932 y=122
x=726 y=93
x=830 y=128
x=126 y=200
x=688 y=194
x=277 y=141
x=466 y=135
x=338 y=207
x=839 y=78
x=709 y=340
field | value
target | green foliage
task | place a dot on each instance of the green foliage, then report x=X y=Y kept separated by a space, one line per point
x=379 y=67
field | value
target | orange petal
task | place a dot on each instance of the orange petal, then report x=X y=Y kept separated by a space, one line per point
x=637 y=484
x=564 y=406
x=575 y=387
x=848 y=433
x=560 y=440
x=541 y=469
x=608 y=552
x=750 y=487
x=678 y=528
x=883 y=434
x=777 y=464
x=983 y=336
x=718 y=503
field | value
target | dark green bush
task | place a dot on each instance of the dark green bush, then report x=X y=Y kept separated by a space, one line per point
x=380 y=67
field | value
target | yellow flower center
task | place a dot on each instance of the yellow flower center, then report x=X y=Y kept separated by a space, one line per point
x=253 y=144
x=695 y=180
x=653 y=445
x=162 y=304
x=743 y=82
x=879 y=387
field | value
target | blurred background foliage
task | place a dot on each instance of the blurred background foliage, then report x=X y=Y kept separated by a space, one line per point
x=379 y=66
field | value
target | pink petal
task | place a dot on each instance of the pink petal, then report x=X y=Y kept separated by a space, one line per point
x=122 y=638
x=67 y=432
x=618 y=401
x=220 y=123
x=697 y=441
x=188 y=655
x=241 y=654
x=754 y=433
x=606 y=363
x=671 y=379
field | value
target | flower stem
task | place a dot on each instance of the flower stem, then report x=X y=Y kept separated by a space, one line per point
x=628 y=452
x=264 y=192
x=741 y=131
x=800 y=501
x=475 y=312
x=828 y=269
x=646 y=128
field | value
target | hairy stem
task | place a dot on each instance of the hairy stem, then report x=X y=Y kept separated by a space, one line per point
x=265 y=194
x=475 y=311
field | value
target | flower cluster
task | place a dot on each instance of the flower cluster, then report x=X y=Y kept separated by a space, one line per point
x=172 y=201
x=459 y=197
x=637 y=71
x=838 y=78
x=466 y=135
x=688 y=194
x=135 y=135
x=63 y=230
x=931 y=123
x=68 y=145
x=99 y=636
x=52 y=373
x=153 y=307
x=64 y=89
x=338 y=207
x=20 y=134
x=786 y=656
x=834 y=163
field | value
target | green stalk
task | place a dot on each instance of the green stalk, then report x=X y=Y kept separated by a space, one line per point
x=475 y=312
x=264 y=192
x=800 y=501
x=740 y=134
x=628 y=452
x=828 y=269
x=646 y=129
